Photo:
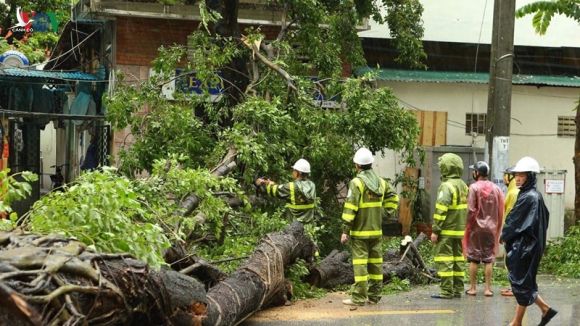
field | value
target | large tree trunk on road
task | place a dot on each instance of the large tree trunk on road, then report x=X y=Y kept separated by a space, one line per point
x=336 y=268
x=260 y=281
x=54 y=281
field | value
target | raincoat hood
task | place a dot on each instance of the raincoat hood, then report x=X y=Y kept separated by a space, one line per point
x=451 y=166
x=530 y=182
x=307 y=187
x=371 y=181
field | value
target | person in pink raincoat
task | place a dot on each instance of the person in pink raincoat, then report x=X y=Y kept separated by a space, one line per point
x=485 y=203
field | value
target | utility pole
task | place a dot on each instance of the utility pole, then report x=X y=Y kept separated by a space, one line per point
x=500 y=88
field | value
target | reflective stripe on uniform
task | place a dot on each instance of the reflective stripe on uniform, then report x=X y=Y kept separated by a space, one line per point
x=363 y=278
x=448 y=258
x=451 y=232
x=458 y=207
x=269 y=189
x=376 y=260
x=351 y=206
x=439 y=217
x=360 y=261
x=443 y=258
x=365 y=233
x=348 y=217
x=376 y=277
x=455 y=205
x=359 y=184
x=462 y=274
x=391 y=205
x=292 y=198
x=300 y=207
x=370 y=204
x=293 y=204
x=441 y=207
x=445 y=274
x=275 y=190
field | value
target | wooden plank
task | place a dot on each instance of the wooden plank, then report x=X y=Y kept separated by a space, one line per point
x=427 y=139
x=441 y=129
x=433 y=128
x=405 y=209
x=419 y=117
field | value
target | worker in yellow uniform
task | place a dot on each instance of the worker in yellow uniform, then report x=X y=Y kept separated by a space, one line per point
x=369 y=199
x=449 y=227
x=510 y=199
x=299 y=194
x=512 y=191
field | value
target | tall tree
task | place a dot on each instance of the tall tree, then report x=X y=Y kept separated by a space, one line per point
x=543 y=12
x=266 y=109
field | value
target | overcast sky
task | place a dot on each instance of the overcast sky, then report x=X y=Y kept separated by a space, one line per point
x=461 y=21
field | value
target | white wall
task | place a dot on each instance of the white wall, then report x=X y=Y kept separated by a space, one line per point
x=48 y=154
x=464 y=21
x=533 y=133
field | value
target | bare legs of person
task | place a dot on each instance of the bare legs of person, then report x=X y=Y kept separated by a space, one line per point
x=488 y=272
x=472 y=279
x=547 y=313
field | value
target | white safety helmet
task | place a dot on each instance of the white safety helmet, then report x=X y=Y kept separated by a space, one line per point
x=527 y=164
x=302 y=165
x=363 y=156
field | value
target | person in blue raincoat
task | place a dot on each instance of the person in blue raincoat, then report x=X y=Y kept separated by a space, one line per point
x=524 y=236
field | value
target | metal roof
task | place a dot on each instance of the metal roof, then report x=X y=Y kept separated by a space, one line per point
x=47 y=74
x=425 y=76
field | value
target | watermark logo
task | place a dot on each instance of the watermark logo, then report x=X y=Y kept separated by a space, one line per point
x=24 y=21
x=35 y=22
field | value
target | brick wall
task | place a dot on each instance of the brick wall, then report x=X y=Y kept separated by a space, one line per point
x=138 y=39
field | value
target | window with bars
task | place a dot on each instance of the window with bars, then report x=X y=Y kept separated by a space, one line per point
x=475 y=122
x=566 y=126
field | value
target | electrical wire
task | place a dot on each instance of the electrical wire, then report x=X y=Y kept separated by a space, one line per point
x=61 y=55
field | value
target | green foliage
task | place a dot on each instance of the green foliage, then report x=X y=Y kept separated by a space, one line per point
x=102 y=210
x=37 y=43
x=13 y=190
x=403 y=17
x=115 y=214
x=266 y=112
x=499 y=276
x=396 y=285
x=563 y=255
x=543 y=12
x=300 y=289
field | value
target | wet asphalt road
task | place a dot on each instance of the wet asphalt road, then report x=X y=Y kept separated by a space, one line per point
x=417 y=308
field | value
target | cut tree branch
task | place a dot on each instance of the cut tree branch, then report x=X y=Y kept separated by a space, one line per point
x=270 y=64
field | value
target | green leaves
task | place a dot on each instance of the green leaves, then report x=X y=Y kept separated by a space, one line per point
x=563 y=255
x=102 y=210
x=405 y=26
x=112 y=213
x=544 y=11
x=13 y=187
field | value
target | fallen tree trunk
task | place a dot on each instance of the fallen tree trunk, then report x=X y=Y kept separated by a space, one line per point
x=55 y=281
x=336 y=268
x=260 y=281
